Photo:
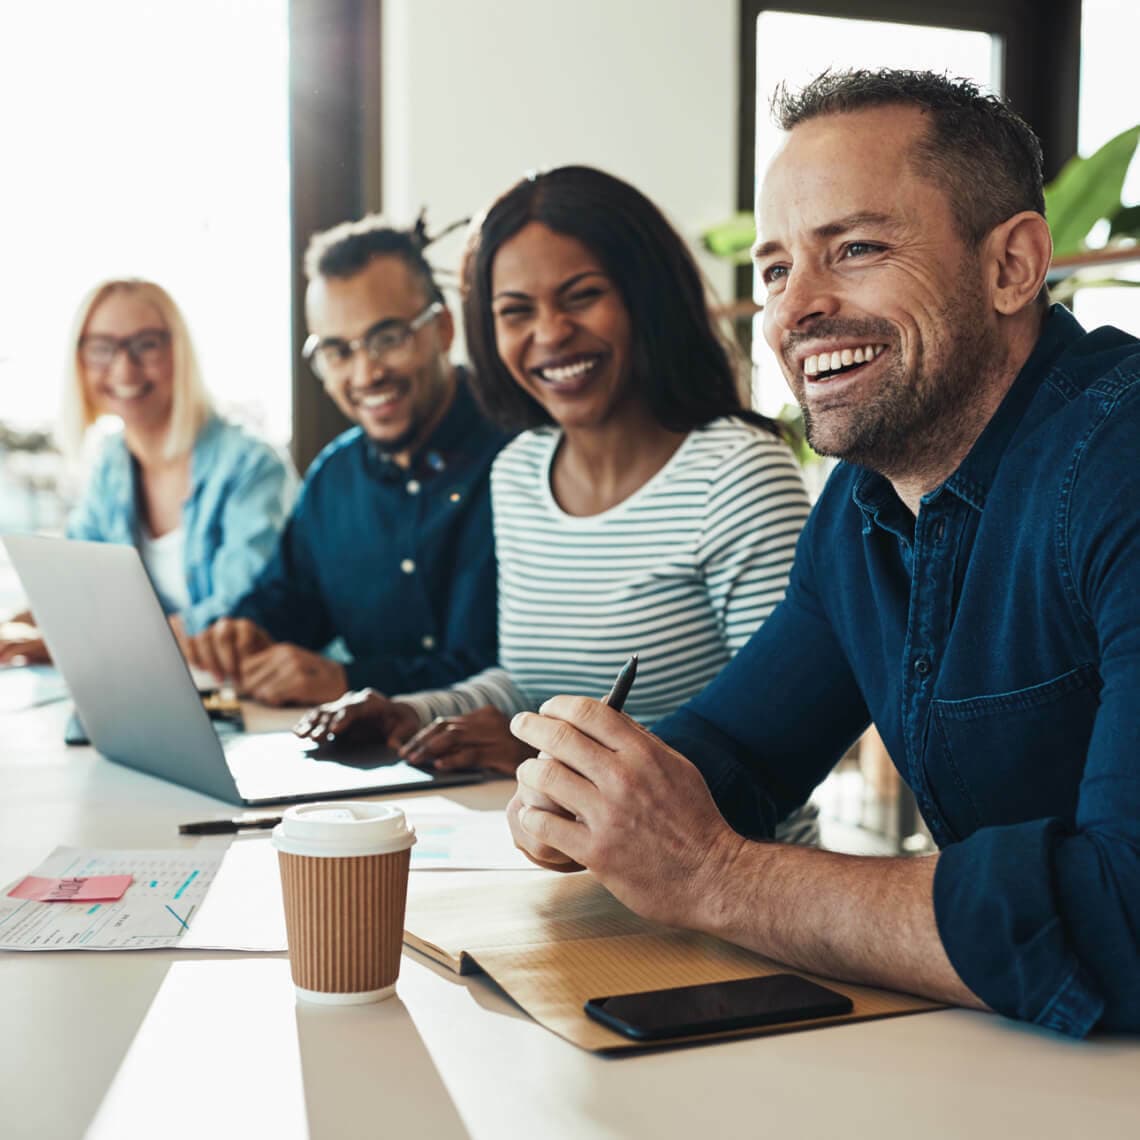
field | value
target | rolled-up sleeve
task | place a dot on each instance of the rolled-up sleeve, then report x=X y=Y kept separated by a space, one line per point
x=1042 y=919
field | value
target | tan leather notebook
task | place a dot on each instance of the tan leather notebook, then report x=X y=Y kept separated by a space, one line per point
x=553 y=941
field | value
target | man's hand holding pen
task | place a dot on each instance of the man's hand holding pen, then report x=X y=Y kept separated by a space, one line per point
x=604 y=794
x=626 y=807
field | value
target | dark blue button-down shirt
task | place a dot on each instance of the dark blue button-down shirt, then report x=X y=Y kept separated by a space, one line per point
x=398 y=562
x=995 y=643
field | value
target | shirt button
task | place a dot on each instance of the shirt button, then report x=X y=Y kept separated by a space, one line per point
x=940 y=530
x=427 y=641
x=922 y=666
x=413 y=487
x=408 y=566
x=455 y=496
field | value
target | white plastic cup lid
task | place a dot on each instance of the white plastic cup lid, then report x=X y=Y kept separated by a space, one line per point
x=343 y=829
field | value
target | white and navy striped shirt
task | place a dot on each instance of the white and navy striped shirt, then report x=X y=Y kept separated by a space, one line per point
x=681 y=572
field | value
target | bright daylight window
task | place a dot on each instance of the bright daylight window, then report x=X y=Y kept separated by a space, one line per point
x=145 y=139
x=796 y=48
x=1109 y=31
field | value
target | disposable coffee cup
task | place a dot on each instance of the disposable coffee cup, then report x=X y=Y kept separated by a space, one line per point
x=344 y=878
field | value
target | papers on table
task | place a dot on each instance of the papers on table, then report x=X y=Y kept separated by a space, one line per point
x=155 y=911
x=465 y=841
x=221 y=898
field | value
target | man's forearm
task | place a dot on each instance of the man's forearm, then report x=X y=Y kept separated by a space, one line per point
x=868 y=920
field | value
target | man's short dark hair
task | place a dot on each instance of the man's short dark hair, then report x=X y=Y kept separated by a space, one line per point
x=976 y=146
x=345 y=250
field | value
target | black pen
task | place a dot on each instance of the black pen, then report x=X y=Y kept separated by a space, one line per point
x=622 y=684
x=228 y=826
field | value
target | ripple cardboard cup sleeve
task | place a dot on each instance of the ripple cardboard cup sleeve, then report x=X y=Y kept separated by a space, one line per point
x=344 y=878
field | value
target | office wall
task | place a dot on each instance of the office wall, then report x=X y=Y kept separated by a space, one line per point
x=476 y=92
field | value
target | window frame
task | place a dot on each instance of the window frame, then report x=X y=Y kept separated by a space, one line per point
x=1041 y=57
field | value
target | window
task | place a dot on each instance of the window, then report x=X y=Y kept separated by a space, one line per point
x=145 y=139
x=1108 y=33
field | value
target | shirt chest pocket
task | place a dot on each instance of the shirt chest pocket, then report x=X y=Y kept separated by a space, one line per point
x=1012 y=756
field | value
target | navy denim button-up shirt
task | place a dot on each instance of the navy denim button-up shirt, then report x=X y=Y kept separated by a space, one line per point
x=995 y=643
x=397 y=562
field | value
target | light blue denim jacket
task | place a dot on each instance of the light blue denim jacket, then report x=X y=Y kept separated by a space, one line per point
x=241 y=491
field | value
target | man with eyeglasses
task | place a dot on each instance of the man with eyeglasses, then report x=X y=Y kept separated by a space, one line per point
x=389 y=548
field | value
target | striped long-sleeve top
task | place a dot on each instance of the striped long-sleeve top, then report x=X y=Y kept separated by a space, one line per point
x=681 y=572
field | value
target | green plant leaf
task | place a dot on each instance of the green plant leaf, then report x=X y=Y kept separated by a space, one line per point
x=1088 y=189
x=1125 y=223
x=732 y=238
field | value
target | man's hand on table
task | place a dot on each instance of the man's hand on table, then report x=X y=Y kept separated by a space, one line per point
x=286 y=674
x=633 y=811
x=618 y=801
x=274 y=673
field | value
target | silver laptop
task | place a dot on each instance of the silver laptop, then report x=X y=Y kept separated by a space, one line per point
x=109 y=637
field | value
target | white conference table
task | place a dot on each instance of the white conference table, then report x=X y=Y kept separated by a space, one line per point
x=174 y=1044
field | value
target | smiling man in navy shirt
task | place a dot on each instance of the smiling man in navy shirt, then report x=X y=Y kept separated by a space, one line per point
x=390 y=546
x=969 y=581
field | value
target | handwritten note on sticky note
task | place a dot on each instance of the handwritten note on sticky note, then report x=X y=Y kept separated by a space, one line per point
x=94 y=888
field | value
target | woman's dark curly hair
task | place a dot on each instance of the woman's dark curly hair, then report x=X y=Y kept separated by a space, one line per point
x=679 y=365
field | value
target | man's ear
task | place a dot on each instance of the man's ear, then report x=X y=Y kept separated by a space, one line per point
x=1016 y=256
x=445 y=329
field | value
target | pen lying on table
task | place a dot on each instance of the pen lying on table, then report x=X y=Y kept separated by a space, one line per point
x=229 y=826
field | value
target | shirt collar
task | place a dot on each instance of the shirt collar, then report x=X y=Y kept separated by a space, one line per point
x=972 y=480
x=975 y=474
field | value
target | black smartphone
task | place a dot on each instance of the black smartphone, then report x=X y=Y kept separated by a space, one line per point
x=716 y=1006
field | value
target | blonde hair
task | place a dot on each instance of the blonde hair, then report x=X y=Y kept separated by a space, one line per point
x=191 y=405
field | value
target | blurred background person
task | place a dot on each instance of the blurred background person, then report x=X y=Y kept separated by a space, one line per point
x=200 y=498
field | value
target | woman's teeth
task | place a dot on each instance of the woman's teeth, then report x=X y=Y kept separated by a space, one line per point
x=560 y=374
x=127 y=391
x=844 y=358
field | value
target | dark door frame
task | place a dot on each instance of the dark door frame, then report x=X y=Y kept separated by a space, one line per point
x=334 y=164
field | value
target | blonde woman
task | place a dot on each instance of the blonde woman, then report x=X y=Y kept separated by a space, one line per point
x=202 y=500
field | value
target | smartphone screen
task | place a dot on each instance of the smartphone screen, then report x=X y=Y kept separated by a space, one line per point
x=716 y=1006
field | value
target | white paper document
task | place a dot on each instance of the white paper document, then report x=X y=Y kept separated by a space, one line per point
x=204 y=899
x=155 y=911
x=465 y=841
x=220 y=898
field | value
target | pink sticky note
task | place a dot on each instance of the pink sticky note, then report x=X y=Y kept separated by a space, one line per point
x=96 y=888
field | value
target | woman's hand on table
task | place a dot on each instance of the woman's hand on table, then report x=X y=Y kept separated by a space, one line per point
x=479 y=739
x=363 y=716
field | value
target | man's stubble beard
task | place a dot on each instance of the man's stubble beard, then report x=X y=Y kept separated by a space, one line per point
x=411 y=435
x=910 y=425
